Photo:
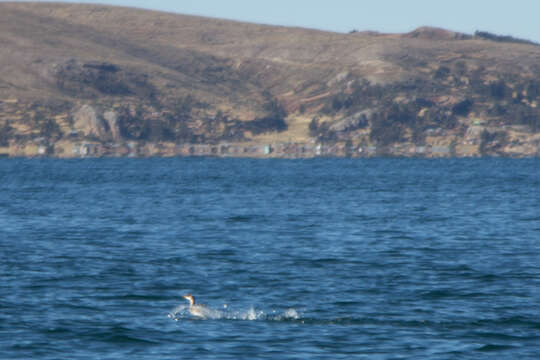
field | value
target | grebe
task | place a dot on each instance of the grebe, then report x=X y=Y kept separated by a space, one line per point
x=198 y=310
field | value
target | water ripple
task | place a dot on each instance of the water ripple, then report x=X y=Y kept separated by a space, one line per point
x=326 y=258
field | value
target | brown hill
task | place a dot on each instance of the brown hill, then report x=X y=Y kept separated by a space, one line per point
x=110 y=75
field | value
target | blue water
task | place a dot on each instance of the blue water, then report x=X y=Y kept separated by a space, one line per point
x=319 y=259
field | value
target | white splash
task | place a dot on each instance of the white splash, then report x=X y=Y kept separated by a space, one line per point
x=251 y=314
x=209 y=313
x=291 y=314
x=180 y=309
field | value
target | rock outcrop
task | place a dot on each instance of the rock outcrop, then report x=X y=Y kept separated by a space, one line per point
x=87 y=121
x=112 y=121
x=359 y=120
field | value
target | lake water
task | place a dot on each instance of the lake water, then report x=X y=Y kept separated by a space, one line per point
x=318 y=259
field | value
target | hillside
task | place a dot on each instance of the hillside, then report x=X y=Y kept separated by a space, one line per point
x=89 y=80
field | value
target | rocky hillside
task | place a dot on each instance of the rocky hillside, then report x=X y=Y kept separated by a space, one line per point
x=88 y=80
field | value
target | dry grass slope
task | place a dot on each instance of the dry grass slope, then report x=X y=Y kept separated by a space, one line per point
x=170 y=77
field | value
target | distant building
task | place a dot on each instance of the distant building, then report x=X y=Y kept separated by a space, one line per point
x=372 y=150
x=86 y=149
x=440 y=150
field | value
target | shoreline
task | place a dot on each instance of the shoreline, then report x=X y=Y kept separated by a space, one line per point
x=286 y=150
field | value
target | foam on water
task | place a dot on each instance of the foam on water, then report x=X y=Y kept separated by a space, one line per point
x=180 y=309
x=291 y=314
x=182 y=312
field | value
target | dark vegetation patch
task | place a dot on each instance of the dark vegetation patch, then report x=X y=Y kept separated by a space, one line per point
x=491 y=142
x=463 y=108
x=321 y=131
x=6 y=132
x=180 y=120
x=40 y=116
x=274 y=121
x=390 y=121
x=139 y=124
x=510 y=99
x=502 y=38
x=47 y=127
x=384 y=131
x=442 y=73
x=266 y=124
x=94 y=79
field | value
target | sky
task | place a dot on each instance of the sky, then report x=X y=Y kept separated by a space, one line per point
x=519 y=18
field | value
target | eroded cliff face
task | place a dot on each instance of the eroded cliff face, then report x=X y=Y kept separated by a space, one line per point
x=87 y=80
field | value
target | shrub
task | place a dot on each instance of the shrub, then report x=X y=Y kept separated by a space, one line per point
x=275 y=121
x=6 y=132
x=462 y=108
x=266 y=124
x=491 y=141
x=529 y=117
x=50 y=129
x=497 y=89
x=386 y=133
x=533 y=89
x=442 y=72
x=460 y=68
x=314 y=127
x=502 y=38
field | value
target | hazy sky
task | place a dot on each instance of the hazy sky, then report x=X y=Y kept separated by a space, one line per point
x=520 y=18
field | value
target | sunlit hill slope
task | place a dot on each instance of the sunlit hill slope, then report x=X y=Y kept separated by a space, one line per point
x=79 y=80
